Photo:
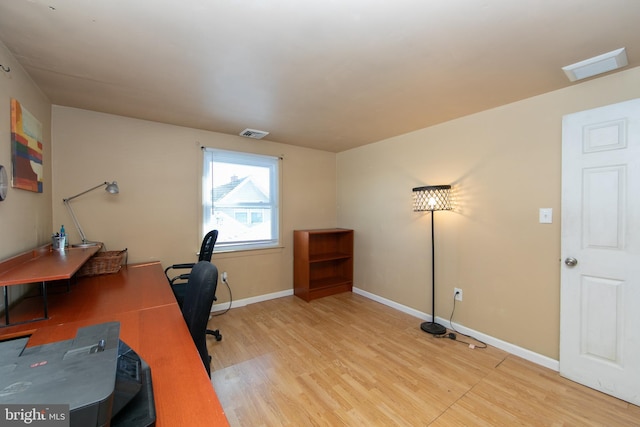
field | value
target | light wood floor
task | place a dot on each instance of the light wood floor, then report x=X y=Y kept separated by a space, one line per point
x=347 y=360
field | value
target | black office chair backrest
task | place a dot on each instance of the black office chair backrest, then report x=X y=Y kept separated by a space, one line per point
x=200 y=294
x=179 y=282
x=206 y=249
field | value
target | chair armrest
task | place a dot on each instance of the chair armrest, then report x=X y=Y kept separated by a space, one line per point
x=182 y=277
x=186 y=265
x=177 y=266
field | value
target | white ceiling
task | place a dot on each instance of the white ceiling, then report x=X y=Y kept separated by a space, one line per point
x=327 y=74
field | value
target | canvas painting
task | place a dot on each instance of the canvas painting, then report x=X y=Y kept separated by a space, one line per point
x=26 y=149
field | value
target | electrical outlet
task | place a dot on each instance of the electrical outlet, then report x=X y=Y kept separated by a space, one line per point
x=224 y=276
x=457 y=293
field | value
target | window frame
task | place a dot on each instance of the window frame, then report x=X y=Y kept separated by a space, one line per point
x=272 y=163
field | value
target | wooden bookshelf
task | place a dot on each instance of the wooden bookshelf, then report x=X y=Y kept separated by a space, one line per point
x=322 y=262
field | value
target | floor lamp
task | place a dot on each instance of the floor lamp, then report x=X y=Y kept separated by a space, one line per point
x=432 y=198
x=111 y=188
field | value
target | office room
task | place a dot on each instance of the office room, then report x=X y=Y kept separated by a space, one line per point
x=499 y=146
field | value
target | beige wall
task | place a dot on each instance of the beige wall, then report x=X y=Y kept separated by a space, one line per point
x=505 y=164
x=157 y=213
x=25 y=216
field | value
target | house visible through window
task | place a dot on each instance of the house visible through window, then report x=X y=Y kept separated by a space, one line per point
x=240 y=199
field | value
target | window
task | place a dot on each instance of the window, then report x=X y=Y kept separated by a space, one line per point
x=240 y=199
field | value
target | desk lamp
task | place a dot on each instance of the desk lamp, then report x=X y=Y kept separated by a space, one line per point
x=432 y=198
x=111 y=187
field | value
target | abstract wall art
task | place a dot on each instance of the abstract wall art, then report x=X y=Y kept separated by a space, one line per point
x=26 y=149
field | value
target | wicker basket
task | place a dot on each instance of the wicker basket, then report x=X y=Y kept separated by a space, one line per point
x=106 y=262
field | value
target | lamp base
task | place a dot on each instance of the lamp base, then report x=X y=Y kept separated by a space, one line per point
x=433 y=328
x=85 y=244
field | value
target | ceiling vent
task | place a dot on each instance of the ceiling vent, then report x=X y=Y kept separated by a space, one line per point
x=253 y=133
x=597 y=65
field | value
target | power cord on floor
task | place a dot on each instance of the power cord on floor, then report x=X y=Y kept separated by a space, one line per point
x=224 y=280
x=453 y=336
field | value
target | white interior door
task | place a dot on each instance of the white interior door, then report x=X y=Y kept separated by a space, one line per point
x=600 y=290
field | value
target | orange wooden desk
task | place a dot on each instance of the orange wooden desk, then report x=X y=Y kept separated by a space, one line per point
x=41 y=265
x=151 y=323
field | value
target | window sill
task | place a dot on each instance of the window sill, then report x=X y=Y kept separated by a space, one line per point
x=224 y=254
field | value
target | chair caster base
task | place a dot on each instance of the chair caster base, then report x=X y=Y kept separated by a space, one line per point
x=215 y=333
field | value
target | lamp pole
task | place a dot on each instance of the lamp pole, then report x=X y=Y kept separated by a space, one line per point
x=433 y=327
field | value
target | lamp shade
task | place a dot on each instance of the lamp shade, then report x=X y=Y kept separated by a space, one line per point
x=112 y=188
x=432 y=198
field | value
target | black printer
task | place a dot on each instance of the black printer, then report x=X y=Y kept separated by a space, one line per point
x=104 y=382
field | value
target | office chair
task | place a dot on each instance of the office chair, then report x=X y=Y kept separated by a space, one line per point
x=180 y=282
x=200 y=293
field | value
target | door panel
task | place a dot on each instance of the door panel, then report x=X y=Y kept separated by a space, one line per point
x=600 y=318
x=603 y=205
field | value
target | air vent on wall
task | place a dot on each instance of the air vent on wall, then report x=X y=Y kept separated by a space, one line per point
x=253 y=133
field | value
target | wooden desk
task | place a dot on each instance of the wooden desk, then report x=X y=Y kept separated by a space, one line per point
x=41 y=265
x=151 y=323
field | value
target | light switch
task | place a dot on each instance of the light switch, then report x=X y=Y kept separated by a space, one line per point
x=546 y=215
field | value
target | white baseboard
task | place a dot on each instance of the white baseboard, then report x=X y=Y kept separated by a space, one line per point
x=246 y=301
x=529 y=355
